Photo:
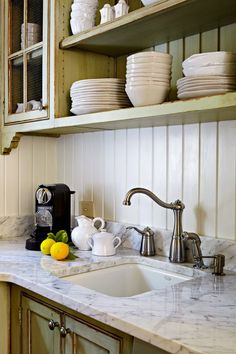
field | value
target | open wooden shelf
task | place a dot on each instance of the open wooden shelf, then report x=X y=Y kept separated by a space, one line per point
x=154 y=24
x=198 y=110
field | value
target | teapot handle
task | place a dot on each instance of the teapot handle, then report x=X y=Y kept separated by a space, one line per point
x=90 y=242
x=118 y=243
x=102 y=223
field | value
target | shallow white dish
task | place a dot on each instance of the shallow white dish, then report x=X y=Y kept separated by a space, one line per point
x=202 y=93
x=140 y=81
x=219 y=69
x=210 y=58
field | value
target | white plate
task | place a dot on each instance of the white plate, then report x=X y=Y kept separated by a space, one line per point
x=91 y=101
x=215 y=86
x=207 y=78
x=93 y=109
x=201 y=93
x=91 y=82
x=94 y=91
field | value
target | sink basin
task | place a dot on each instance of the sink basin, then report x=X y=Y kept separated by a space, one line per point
x=126 y=279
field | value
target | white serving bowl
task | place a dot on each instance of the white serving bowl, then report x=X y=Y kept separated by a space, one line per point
x=149 y=2
x=83 y=16
x=80 y=25
x=81 y=6
x=210 y=58
x=143 y=75
x=145 y=95
x=152 y=55
x=150 y=65
x=143 y=81
x=219 y=69
x=148 y=72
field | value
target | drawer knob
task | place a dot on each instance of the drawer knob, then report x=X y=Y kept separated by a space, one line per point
x=52 y=325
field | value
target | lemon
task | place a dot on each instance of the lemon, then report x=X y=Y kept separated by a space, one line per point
x=59 y=250
x=46 y=245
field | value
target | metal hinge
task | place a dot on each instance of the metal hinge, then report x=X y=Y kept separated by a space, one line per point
x=20 y=315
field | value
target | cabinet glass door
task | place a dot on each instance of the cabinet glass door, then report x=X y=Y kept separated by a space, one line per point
x=27 y=38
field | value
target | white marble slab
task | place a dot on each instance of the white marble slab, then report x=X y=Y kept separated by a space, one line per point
x=194 y=317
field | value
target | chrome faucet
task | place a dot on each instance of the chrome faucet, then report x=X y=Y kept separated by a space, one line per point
x=177 y=247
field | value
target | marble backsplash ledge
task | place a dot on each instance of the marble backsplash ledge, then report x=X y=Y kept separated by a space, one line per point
x=23 y=226
x=209 y=246
x=16 y=226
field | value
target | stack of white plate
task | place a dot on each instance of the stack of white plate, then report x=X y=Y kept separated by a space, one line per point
x=208 y=74
x=97 y=95
x=83 y=15
x=148 y=77
x=32 y=32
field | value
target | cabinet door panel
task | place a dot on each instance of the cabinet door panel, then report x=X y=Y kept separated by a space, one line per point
x=84 y=339
x=37 y=338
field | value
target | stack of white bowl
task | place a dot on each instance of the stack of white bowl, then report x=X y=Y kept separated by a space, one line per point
x=32 y=32
x=208 y=74
x=98 y=95
x=148 y=77
x=83 y=14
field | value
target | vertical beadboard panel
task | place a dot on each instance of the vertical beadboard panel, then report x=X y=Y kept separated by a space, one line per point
x=132 y=173
x=227 y=180
x=120 y=174
x=26 y=188
x=77 y=171
x=109 y=175
x=209 y=41
x=88 y=167
x=69 y=157
x=176 y=49
x=61 y=159
x=227 y=33
x=2 y=185
x=191 y=45
x=175 y=168
x=191 y=176
x=98 y=174
x=51 y=161
x=208 y=180
x=12 y=183
x=145 y=173
x=160 y=175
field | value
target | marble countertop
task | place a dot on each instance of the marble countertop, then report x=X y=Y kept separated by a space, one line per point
x=197 y=316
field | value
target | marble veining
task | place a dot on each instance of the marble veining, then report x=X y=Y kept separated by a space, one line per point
x=197 y=316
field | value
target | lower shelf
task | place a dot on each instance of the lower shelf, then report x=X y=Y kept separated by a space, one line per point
x=199 y=110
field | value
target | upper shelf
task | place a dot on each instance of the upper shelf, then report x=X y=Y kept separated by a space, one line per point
x=155 y=24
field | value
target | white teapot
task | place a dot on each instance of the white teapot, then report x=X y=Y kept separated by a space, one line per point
x=85 y=229
x=104 y=243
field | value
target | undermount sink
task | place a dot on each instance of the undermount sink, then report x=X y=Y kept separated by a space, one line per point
x=126 y=279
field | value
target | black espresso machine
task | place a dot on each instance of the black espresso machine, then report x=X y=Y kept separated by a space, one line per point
x=52 y=212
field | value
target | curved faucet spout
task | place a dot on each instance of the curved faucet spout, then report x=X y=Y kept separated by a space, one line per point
x=177 y=205
x=177 y=246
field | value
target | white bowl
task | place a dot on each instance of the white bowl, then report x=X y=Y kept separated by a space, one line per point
x=82 y=6
x=83 y=16
x=145 y=81
x=149 y=65
x=148 y=72
x=149 y=2
x=86 y=2
x=218 y=69
x=141 y=75
x=80 y=25
x=145 y=95
x=152 y=55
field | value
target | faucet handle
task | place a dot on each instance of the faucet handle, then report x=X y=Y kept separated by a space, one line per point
x=146 y=231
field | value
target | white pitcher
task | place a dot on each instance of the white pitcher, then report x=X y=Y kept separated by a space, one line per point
x=85 y=229
x=104 y=243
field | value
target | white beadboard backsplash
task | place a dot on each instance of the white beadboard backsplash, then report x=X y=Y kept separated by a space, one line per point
x=195 y=163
